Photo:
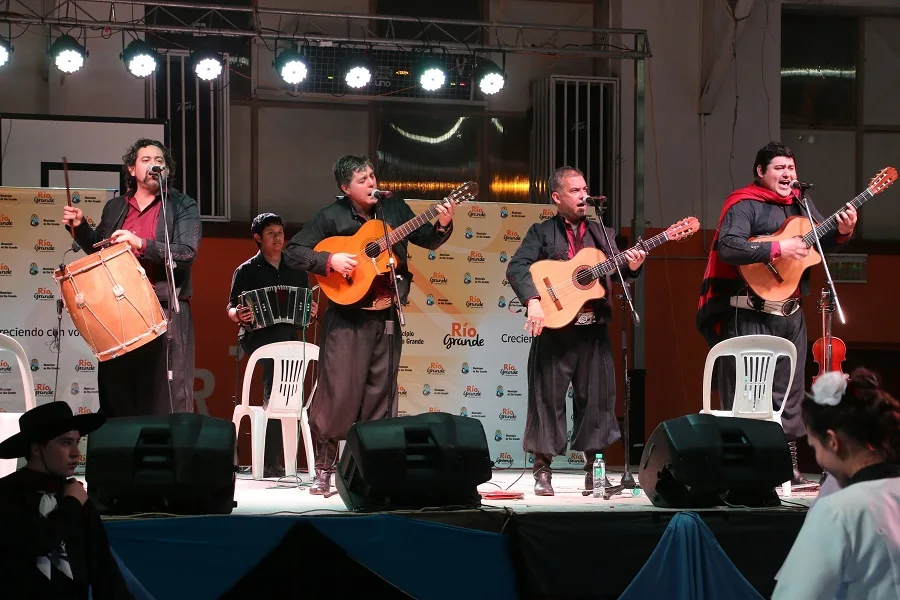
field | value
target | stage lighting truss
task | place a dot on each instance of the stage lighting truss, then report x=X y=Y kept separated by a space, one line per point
x=67 y=54
x=291 y=66
x=391 y=58
x=207 y=64
x=489 y=78
x=5 y=51
x=140 y=58
x=431 y=71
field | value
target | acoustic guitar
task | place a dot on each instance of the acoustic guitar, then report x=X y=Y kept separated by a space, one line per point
x=777 y=279
x=565 y=285
x=370 y=250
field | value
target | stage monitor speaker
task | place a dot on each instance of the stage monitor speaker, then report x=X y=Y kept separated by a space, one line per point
x=428 y=460
x=183 y=463
x=699 y=461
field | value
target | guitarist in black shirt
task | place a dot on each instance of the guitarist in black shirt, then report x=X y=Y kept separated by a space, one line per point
x=358 y=360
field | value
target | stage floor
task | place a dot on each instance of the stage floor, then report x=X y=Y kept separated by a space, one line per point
x=290 y=495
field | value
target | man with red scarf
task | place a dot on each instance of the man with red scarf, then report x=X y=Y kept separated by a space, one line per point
x=729 y=308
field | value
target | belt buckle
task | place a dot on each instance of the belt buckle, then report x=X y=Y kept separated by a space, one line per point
x=789 y=306
x=586 y=318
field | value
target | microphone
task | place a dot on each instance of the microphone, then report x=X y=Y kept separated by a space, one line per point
x=596 y=200
x=799 y=185
x=381 y=194
x=75 y=247
x=156 y=169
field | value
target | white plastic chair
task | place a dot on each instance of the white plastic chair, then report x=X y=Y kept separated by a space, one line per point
x=755 y=358
x=9 y=422
x=291 y=362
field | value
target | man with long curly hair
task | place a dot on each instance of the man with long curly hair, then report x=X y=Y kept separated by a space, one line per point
x=136 y=383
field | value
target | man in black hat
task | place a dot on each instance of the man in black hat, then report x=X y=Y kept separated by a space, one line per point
x=53 y=543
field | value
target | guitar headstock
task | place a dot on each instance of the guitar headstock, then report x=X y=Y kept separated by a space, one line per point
x=683 y=229
x=464 y=193
x=883 y=180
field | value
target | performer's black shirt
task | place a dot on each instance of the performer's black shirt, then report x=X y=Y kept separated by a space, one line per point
x=257 y=273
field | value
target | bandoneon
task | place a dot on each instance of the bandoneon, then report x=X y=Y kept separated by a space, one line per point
x=278 y=304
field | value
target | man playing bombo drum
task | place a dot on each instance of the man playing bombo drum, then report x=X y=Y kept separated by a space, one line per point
x=136 y=383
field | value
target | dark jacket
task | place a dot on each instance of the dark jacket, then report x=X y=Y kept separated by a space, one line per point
x=185 y=228
x=71 y=528
x=548 y=240
x=341 y=218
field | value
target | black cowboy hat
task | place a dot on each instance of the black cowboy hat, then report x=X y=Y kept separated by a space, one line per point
x=45 y=422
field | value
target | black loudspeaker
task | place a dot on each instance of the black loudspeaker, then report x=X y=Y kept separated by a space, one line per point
x=432 y=459
x=699 y=461
x=183 y=463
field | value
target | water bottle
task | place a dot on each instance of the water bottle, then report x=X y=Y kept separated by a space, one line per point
x=599 y=476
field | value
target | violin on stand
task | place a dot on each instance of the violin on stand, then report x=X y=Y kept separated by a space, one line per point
x=828 y=351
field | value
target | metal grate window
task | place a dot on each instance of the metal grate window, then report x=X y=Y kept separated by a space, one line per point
x=198 y=115
x=576 y=123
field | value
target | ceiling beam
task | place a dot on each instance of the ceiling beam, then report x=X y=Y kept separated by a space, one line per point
x=559 y=39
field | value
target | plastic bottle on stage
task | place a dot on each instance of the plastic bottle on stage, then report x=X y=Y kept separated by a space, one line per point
x=599 y=476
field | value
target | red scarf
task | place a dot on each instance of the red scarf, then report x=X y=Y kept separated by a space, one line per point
x=720 y=277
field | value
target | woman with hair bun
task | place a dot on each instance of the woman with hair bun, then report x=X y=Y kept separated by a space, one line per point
x=849 y=546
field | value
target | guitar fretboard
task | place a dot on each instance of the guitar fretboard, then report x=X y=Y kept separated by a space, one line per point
x=831 y=222
x=407 y=228
x=608 y=266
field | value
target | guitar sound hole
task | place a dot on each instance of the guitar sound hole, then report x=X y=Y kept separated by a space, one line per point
x=584 y=278
x=372 y=250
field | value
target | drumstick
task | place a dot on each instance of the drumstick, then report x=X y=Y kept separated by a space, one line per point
x=68 y=193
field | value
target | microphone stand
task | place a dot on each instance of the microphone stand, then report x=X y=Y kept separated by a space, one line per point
x=628 y=482
x=395 y=298
x=818 y=244
x=170 y=281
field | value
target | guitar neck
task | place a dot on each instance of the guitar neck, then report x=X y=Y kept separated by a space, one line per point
x=608 y=266
x=831 y=222
x=407 y=228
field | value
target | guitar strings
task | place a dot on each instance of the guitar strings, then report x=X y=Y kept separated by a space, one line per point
x=465 y=193
x=831 y=222
x=604 y=267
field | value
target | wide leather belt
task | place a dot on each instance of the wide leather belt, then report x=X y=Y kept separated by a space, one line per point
x=781 y=308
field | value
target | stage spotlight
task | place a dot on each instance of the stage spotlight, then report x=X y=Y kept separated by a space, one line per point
x=291 y=66
x=358 y=76
x=489 y=78
x=430 y=72
x=5 y=51
x=140 y=58
x=207 y=65
x=68 y=55
x=357 y=71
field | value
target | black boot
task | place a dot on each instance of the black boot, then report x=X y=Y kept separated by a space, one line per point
x=321 y=484
x=543 y=475
x=589 y=458
x=542 y=483
x=798 y=480
x=326 y=456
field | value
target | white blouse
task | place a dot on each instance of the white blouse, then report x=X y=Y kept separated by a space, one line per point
x=848 y=547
